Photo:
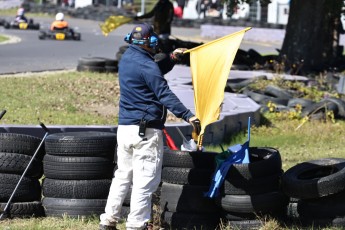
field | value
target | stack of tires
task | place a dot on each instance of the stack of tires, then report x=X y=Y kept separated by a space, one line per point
x=16 y=151
x=318 y=187
x=252 y=191
x=78 y=168
x=186 y=177
x=97 y=64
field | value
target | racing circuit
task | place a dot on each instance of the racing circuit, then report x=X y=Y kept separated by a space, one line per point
x=31 y=54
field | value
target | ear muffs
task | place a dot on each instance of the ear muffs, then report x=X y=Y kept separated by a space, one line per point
x=152 y=42
x=128 y=38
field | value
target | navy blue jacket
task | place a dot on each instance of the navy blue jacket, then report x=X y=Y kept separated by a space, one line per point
x=144 y=92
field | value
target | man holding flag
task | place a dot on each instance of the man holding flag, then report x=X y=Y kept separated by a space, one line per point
x=144 y=99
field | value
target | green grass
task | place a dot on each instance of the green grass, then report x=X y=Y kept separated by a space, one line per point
x=3 y=38
x=80 y=98
x=68 y=98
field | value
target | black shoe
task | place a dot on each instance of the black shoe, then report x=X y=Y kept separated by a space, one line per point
x=148 y=226
x=106 y=227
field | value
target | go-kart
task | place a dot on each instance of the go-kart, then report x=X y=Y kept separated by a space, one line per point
x=29 y=25
x=65 y=34
x=2 y=21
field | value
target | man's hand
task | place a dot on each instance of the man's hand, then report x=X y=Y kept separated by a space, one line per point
x=177 y=54
x=195 y=122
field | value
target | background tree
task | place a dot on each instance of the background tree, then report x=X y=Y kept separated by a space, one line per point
x=312 y=33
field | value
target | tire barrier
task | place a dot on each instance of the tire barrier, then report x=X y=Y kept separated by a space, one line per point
x=78 y=169
x=97 y=64
x=186 y=177
x=16 y=151
x=317 y=192
x=315 y=179
x=252 y=191
x=288 y=100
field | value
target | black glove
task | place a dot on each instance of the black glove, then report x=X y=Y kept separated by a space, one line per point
x=177 y=54
x=195 y=122
x=136 y=18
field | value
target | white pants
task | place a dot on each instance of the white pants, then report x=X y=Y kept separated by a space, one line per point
x=139 y=161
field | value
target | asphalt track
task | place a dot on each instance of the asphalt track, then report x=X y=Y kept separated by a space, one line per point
x=29 y=54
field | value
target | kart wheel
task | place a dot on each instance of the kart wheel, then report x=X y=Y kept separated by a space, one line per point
x=41 y=35
x=7 y=25
x=77 y=36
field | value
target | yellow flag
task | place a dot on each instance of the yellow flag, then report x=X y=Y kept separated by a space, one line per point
x=112 y=22
x=210 y=67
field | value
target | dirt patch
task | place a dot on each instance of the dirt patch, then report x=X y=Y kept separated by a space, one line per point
x=103 y=110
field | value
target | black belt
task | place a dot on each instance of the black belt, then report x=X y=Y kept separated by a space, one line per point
x=154 y=124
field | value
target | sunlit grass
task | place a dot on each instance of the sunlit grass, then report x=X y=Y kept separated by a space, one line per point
x=3 y=38
x=69 y=98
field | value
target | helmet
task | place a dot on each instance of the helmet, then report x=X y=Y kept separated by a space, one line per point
x=59 y=16
x=20 y=12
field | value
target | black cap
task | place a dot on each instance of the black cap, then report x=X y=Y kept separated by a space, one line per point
x=142 y=32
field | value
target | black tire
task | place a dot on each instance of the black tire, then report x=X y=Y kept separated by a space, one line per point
x=189 y=221
x=29 y=188
x=264 y=161
x=91 y=143
x=111 y=65
x=77 y=168
x=15 y=163
x=111 y=69
x=23 y=209
x=111 y=62
x=263 y=99
x=277 y=92
x=76 y=189
x=91 y=61
x=191 y=176
x=36 y=26
x=87 y=68
x=7 y=25
x=236 y=86
x=77 y=36
x=186 y=198
x=259 y=203
x=21 y=143
x=340 y=106
x=252 y=186
x=299 y=101
x=74 y=208
x=238 y=216
x=42 y=35
x=185 y=159
x=325 y=207
x=320 y=107
x=314 y=179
